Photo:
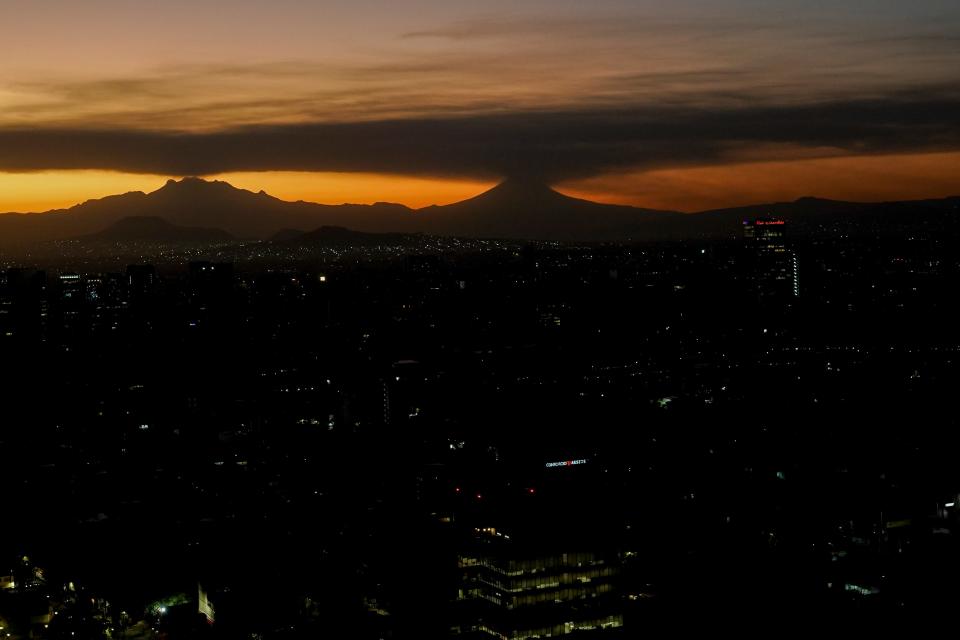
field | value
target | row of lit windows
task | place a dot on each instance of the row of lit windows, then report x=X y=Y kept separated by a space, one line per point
x=544 y=597
x=522 y=567
x=608 y=622
x=557 y=597
x=515 y=584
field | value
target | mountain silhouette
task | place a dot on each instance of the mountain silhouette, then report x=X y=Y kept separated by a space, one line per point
x=152 y=229
x=286 y=235
x=201 y=203
x=525 y=209
x=514 y=209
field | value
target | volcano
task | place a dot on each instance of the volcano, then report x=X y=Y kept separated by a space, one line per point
x=522 y=209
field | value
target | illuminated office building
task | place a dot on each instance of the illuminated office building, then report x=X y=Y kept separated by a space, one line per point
x=533 y=571
x=71 y=303
x=773 y=266
x=512 y=593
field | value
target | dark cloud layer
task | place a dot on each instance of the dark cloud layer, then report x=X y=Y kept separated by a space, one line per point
x=555 y=144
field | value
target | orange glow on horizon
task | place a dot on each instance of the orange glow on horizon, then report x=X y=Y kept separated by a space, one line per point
x=46 y=190
x=908 y=176
x=857 y=179
x=357 y=188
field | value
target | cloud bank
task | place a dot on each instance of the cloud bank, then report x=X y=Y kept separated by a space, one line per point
x=559 y=93
x=554 y=144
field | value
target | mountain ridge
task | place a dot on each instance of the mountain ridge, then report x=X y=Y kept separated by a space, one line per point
x=195 y=202
x=154 y=229
x=514 y=209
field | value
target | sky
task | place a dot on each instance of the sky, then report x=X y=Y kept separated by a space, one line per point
x=679 y=104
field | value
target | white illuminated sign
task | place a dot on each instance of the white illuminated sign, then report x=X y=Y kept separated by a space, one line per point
x=566 y=463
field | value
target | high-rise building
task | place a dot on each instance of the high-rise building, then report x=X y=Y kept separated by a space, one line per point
x=70 y=303
x=540 y=567
x=141 y=278
x=23 y=304
x=518 y=592
x=773 y=268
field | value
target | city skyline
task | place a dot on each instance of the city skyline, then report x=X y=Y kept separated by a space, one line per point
x=506 y=320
